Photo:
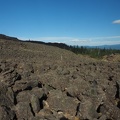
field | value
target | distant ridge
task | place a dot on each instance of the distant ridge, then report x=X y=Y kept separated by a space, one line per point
x=60 y=45
x=2 y=36
x=117 y=46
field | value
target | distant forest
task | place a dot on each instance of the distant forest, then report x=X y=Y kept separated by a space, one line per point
x=92 y=52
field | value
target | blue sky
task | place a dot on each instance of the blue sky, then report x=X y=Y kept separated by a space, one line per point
x=75 y=22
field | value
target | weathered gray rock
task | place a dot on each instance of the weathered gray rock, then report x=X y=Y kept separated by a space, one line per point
x=58 y=101
x=25 y=85
x=3 y=88
x=39 y=92
x=35 y=103
x=24 y=111
x=52 y=81
x=6 y=113
x=103 y=117
x=4 y=99
x=11 y=95
x=111 y=90
x=9 y=78
x=23 y=96
x=88 y=110
x=46 y=114
x=77 y=87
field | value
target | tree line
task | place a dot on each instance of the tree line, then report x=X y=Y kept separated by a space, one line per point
x=93 y=52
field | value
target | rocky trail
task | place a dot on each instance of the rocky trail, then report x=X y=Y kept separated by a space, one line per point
x=40 y=82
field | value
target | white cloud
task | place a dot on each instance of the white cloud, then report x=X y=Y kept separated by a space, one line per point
x=116 y=22
x=94 y=41
x=108 y=37
x=53 y=38
x=80 y=40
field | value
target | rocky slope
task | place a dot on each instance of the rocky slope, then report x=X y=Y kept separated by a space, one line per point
x=39 y=82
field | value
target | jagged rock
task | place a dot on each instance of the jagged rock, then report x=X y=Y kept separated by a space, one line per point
x=9 y=78
x=25 y=85
x=39 y=92
x=48 y=114
x=23 y=96
x=6 y=113
x=34 y=97
x=103 y=117
x=10 y=95
x=24 y=111
x=3 y=89
x=35 y=103
x=112 y=111
x=52 y=81
x=58 y=101
x=8 y=74
x=111 y=91
x=88 y=110
x=77 y=87
x=4 y=99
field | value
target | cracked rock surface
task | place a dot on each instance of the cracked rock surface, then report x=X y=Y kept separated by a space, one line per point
x=35 y=84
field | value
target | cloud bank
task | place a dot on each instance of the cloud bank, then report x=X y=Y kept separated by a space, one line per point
x=93 y=41
x=116 y=22
x=96 y=41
